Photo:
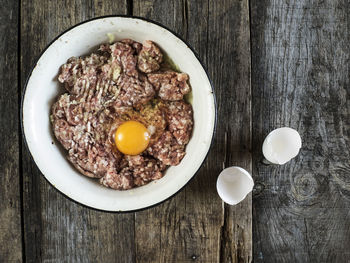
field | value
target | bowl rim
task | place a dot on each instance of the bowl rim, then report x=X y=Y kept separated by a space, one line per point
x=30 y=74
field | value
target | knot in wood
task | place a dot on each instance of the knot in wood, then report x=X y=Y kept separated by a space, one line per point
x=304 y=186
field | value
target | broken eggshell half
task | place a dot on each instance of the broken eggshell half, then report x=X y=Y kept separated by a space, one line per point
x=281 y=145
x=234 y=184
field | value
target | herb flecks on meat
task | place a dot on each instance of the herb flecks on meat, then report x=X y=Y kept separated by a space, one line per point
x=122 y=81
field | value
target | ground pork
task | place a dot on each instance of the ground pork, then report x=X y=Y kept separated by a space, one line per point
x=179 y=115
x=108 y=88
x=170 y=85
x=150 y=57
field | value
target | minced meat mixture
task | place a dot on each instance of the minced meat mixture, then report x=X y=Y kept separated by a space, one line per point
x=123 y=81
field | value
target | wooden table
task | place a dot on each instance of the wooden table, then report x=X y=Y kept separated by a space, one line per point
x=273 y=64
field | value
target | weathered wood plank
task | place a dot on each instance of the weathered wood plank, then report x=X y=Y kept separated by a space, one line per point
x=300 y=58
x=57 y=229
x=229 y=42
x=192 y=223
x=187 y=227
x=10 y=211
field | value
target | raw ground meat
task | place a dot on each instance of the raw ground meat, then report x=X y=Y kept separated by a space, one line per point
x=136 y=45
x=179 y=115
x=108 y=88
x=134 y=91
x=167 y=149
x=150 y=57
x=145 y=169
x=170 y=85
x=123 y=180
x=78 y=74
x=138 y=170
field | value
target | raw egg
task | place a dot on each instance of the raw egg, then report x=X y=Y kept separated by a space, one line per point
x=132 y=138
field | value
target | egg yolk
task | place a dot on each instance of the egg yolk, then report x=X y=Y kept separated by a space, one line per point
x=132 y=138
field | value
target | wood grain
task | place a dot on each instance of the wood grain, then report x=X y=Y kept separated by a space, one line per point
x=10 y=211
x=192 y=226
x=57 y=229
x=187 y=227
x=229 y=39
x=300 y=78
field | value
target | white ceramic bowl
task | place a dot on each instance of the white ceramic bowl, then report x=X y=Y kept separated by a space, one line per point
x=42 y=89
